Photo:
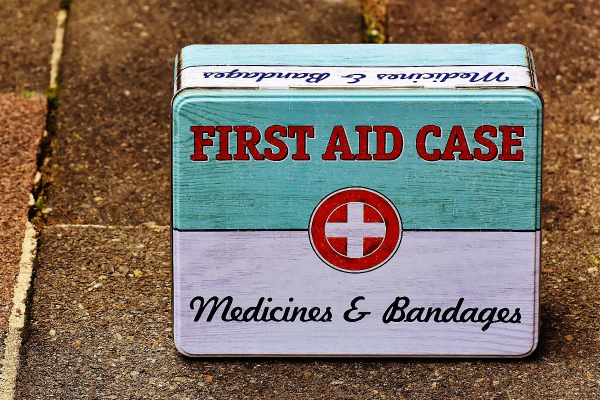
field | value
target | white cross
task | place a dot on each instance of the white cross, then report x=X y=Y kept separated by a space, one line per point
x=355 y=230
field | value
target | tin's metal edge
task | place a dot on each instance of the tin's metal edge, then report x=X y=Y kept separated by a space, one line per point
x=179 y=61
x=486 y=88
x=178 y=71
x=531 y=65
x=355 y=66
x=538 y=208
x=387 y=88
x=171 y=230
x=539 y=211
x=359 y=356
x=536 y=295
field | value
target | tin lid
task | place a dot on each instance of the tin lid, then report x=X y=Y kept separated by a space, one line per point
x=355 y=66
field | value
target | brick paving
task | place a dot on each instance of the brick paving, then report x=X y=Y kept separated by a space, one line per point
x=22 y=122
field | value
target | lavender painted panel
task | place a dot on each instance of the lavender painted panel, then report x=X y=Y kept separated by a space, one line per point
x=432 y=269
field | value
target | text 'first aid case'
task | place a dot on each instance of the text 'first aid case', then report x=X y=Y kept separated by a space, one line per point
x=356 y=200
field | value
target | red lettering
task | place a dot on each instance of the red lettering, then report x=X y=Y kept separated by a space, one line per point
x=275 y=141
x=457 y=135
x=491 y=146
x=338 y=135
x=250 y=144
x=363 y=143
x=382 y=132
x=508 y=142
x=436 y=131
x=224 y=143
x=303 y=132
x=200 y=141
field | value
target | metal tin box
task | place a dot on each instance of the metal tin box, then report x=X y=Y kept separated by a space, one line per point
x=340 y=200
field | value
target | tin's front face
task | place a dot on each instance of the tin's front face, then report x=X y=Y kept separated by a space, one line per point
x=367 y=222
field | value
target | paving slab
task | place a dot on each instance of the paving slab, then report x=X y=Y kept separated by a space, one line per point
x=26 y=35
x=22 y=122
x=111 y=162
x=564 y=39
x=101 y=328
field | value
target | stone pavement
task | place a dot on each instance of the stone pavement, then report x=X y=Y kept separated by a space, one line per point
x=26 y=33
x=100 y=322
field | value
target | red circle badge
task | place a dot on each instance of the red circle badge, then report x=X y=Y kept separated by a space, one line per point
x=355 y=229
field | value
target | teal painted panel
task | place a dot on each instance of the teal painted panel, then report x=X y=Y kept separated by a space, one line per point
x=365 y=55
x=429 y=195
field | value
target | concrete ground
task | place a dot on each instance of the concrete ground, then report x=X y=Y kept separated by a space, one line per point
x=100 y=314
x=26 y=33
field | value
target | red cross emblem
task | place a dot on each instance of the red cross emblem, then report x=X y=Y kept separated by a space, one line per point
x=355 y=229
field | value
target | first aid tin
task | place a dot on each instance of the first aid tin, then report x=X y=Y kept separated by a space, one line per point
x=356 y=200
